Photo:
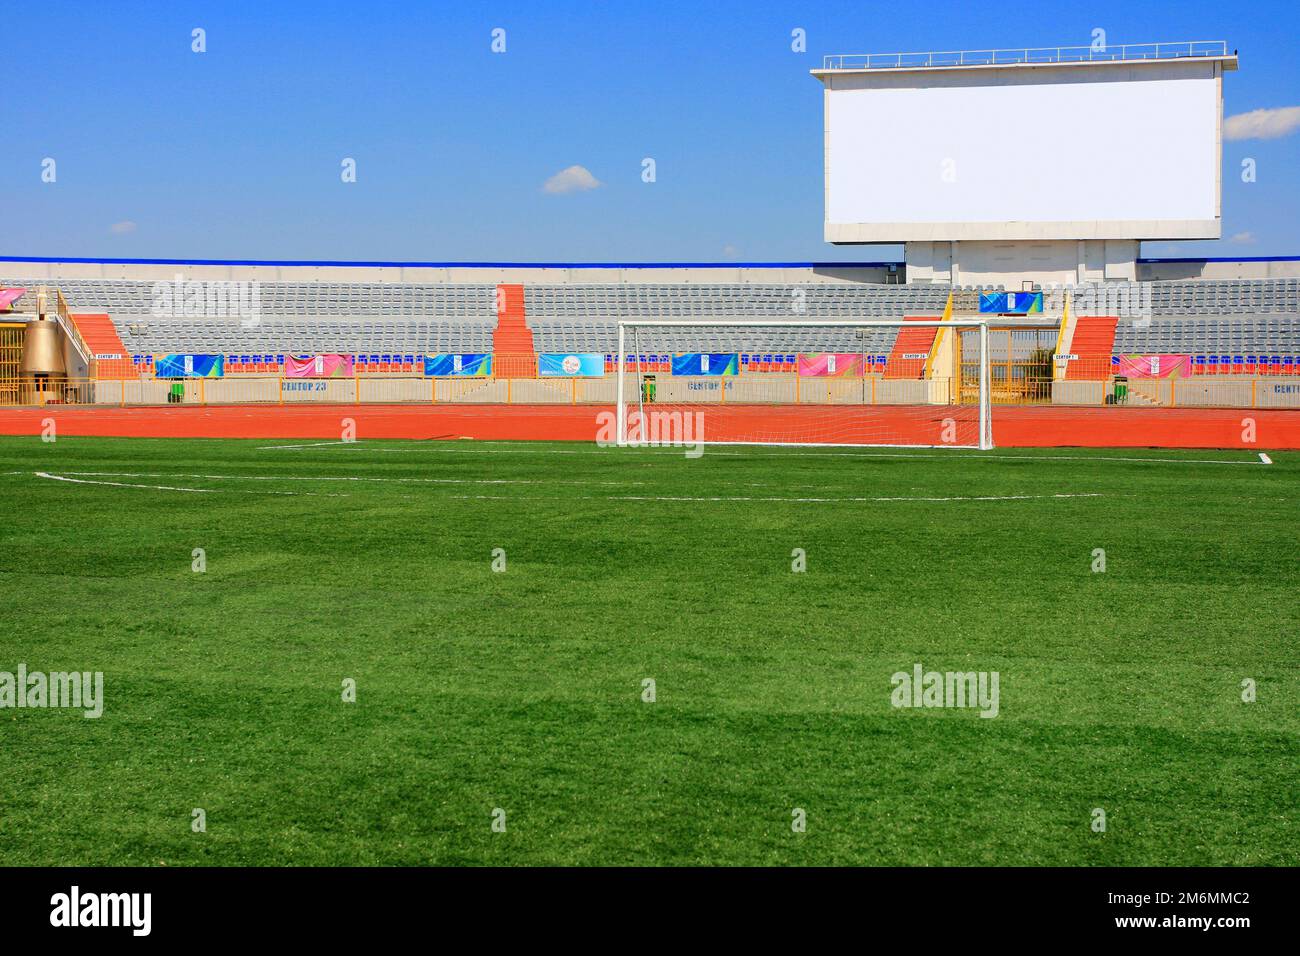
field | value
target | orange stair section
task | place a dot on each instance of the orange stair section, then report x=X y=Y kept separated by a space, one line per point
x=513 y=354
x=102 y=339
x=911 y=349
x=1094 y=337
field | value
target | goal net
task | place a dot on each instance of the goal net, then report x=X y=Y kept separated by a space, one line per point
x=918 y=384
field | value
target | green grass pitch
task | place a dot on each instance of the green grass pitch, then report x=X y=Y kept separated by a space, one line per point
x=523 y=690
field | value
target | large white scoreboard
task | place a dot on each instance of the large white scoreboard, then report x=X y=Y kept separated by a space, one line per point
x=1089 y=149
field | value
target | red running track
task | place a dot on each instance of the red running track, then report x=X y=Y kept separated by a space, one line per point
x=1013 y=426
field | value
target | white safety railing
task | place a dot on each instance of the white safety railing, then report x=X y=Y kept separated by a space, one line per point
x=1027 y=55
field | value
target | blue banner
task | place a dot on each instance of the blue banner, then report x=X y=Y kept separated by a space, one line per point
x=477 y=363
x=1019 y=303
x=571 y=364
x=189 y=366
x=706 y=363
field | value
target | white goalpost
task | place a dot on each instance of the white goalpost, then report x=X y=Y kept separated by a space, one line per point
x=921 y=383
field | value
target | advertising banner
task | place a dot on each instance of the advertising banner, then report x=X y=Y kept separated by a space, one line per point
x=474 y=364
x=1153 y=366
x=571 y=364
x=1018 y=303
x=830 y=364
x=318 y=366
x=189 y=366
x=706 y=363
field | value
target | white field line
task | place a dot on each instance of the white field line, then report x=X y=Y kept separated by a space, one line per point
x=371 y=445
x=88 y=478
x=434 y=481
x=955 y=454
x=122 y=484
x=670 y=453
x=319 y=444
x=118 y=484
x=1162 y=461
x=764 y=498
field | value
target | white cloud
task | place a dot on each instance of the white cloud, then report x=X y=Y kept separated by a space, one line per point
x=575 y=179
x=1242 y=238
x=122 y=228
x=1263 y=124
x=730 y=251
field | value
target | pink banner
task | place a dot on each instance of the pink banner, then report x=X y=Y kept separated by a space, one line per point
x=1154 y=366
x=8 y=297
x=830 y=364
x=318 y=366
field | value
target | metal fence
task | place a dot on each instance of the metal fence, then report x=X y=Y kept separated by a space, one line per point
x=1022 y=384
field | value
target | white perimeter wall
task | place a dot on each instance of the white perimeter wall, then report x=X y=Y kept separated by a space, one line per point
x=926 y=262
x=530 y=275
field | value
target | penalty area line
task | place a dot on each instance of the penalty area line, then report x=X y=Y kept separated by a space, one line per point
x=973 y=455
x=955 y=454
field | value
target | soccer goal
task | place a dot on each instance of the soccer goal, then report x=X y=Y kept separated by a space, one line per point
x=913 y=384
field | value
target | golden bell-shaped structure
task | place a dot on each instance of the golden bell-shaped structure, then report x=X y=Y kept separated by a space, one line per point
x=43 y=370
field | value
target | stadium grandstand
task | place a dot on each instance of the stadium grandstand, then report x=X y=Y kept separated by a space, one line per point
x=1238 y=326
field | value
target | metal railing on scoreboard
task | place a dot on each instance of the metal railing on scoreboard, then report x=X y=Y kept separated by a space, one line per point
x=1027 y=55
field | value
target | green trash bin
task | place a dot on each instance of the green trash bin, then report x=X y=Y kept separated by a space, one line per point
x=1121 y=389
x=177 y=395
x=648 y=390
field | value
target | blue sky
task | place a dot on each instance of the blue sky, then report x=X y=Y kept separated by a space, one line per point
x=236 y=152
